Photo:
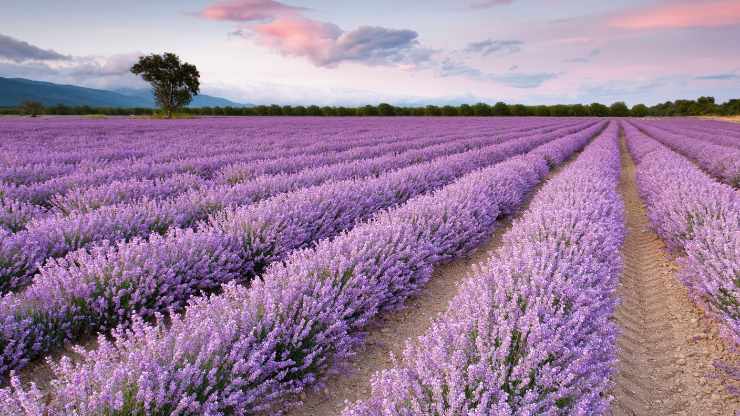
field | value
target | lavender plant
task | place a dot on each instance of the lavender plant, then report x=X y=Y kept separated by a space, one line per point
x=530 y=333
x=699 y=218
x=249 y=348
x=84 y=293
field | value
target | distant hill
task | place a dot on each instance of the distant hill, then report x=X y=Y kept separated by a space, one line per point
x=14 y=91
x=200 y=100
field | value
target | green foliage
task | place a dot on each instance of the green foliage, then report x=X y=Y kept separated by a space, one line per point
x=701 y=106
x=385 y=109
x=174 y=83
x=449 y=111
x=598 y=110
x=578 y=110
x=481 y=110
x=32 y=108
x=500 y=109
x=619 y=109
x=639 y=110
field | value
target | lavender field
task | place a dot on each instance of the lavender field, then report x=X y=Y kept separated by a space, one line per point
x=238 y=266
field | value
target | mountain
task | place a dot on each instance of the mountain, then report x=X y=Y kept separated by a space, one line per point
x=200 y=100
x=14 y=91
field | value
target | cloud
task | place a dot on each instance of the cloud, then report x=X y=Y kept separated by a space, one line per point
x=89 y=71
x=718 y=77
x=327 y=45
x=681 y=15
x=490 y=46
x=450 y=68
x=378 y=45
x=485 y=4
x=584 y=59
x=19 y=51
x=249 y=10
x=285 y=29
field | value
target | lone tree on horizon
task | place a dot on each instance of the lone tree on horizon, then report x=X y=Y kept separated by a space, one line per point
x=174 y=83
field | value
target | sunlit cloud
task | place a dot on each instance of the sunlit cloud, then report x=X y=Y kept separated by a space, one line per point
x=681 y=15
x=249 y=10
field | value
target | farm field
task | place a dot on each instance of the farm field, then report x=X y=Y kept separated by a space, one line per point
x=369 y=266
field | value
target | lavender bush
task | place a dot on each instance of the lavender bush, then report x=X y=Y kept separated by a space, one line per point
x=703 y=130
x=85 y=292
x=249 y=348
x=58 y=235
x=720 y=161
x=699 y=218
x=530 y=333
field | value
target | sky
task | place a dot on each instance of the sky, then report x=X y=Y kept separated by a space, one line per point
x=333 y=52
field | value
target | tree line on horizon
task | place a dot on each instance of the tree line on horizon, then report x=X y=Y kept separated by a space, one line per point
x=698 y=107
x=174 y=83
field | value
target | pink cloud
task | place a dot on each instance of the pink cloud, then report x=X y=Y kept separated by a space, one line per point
x=682 y=15
x=286 y=30
x=327 y=45
x=248 y=10
x=299 y=37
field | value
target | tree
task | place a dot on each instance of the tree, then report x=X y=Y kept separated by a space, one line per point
x=481 y=109
x=367 y=110
x=385 y=109
x=639 y=110
x=449 y=111
x=432 y=110
x=32 y=108
x=598 y=110
x=619 y=109
x=465 y=110
x=578 y=110
x=500 y=109
x=542 y=111
x=174 y=82
x=519 y=110
x=559 y=110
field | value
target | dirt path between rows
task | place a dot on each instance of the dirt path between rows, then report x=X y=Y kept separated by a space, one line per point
x=390 y=332
x=666 y=347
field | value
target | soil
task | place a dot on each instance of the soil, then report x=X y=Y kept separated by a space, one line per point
x=391 y=331
x=40 y=371
x=667 y=347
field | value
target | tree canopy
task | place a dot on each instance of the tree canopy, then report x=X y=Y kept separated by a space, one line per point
x=173 y=82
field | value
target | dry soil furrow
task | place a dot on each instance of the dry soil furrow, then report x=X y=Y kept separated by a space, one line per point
x=390 y=332
x=666 y=347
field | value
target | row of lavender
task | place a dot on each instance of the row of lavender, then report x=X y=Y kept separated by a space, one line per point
x=205 y=163
x=37 y=152
x=250 y=348
x=18 y=201
x=85 y=191
x=721 y=161
x=91 y=291
x=22 y=254
x=243 y=171
x=69 y=192
x=531 y=332
x=723 y=134
x=699 y=218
